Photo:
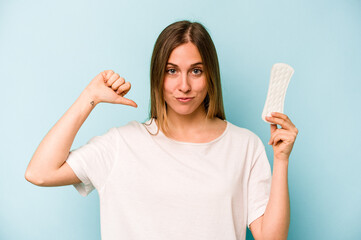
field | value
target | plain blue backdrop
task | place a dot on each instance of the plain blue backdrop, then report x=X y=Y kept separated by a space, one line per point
x=50 y=50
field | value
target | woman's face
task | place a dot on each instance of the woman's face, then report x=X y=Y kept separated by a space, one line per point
x=185 y=82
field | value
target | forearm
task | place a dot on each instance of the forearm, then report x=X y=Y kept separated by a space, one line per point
x=276 y=219
x=54 y=149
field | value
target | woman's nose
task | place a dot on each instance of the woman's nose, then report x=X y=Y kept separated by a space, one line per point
x=184 y=85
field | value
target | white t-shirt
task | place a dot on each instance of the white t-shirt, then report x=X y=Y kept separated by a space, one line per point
x=155 y=188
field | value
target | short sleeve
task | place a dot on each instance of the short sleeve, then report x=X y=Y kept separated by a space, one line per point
x=259 y=184
x=93 y=162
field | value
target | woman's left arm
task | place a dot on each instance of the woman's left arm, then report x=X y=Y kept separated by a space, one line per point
x=275 y=222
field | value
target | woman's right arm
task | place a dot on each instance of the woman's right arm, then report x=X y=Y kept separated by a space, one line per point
x=48 y=166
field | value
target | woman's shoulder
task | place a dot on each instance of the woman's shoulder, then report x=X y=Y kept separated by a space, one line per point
x=134 y=130
x=242 y=132
x=130 y=127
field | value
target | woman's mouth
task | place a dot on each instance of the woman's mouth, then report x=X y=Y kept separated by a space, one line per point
x=184 y=99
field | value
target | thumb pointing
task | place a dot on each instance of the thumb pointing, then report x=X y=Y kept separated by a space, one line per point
x=126 y=101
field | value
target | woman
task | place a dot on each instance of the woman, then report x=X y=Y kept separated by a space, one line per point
x=186 y=173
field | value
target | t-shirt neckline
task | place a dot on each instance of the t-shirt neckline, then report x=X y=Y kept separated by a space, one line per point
x=154 y=126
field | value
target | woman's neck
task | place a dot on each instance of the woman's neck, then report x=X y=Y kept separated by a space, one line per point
x=187 y=124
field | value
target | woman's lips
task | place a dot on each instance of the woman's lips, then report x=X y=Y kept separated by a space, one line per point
x=184 y=99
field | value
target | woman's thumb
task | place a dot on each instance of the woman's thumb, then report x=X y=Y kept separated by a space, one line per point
x=126 y=101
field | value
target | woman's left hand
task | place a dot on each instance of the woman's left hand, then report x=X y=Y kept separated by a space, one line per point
x=282 y=139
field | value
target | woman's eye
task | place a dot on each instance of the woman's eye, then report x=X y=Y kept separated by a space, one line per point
x=197 y=71
x=171 y=71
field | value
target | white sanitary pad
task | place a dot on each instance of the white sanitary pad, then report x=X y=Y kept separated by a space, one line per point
x=281 y=74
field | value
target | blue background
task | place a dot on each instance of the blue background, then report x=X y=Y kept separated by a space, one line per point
x=50 y=50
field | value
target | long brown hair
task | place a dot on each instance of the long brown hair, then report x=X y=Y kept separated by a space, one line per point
x=171 y=37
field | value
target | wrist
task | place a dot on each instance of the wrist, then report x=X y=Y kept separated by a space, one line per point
x=280 y=168
x=90 y=97
x=280 y=161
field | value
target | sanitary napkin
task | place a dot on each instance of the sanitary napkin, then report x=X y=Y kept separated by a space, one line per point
x=281 y=74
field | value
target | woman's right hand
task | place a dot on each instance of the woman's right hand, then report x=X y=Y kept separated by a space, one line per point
x=109 y=87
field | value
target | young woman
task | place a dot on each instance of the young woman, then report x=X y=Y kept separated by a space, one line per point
x=186 y=173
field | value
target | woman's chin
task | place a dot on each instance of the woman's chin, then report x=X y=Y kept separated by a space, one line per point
x=182 y=113
x=186 y=112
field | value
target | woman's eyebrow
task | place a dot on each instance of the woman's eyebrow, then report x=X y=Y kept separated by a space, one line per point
x=194 y=64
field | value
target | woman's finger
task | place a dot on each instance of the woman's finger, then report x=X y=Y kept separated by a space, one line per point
x=112 y=79
x=125 y=101
x=129 y=102
x=284 y=123
x=117 y=83
x=278 y=138
x=284 y=132
x=273 y=127
x=124 y=88
x=282 y=116
x=109 y=73
x=123 y=93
